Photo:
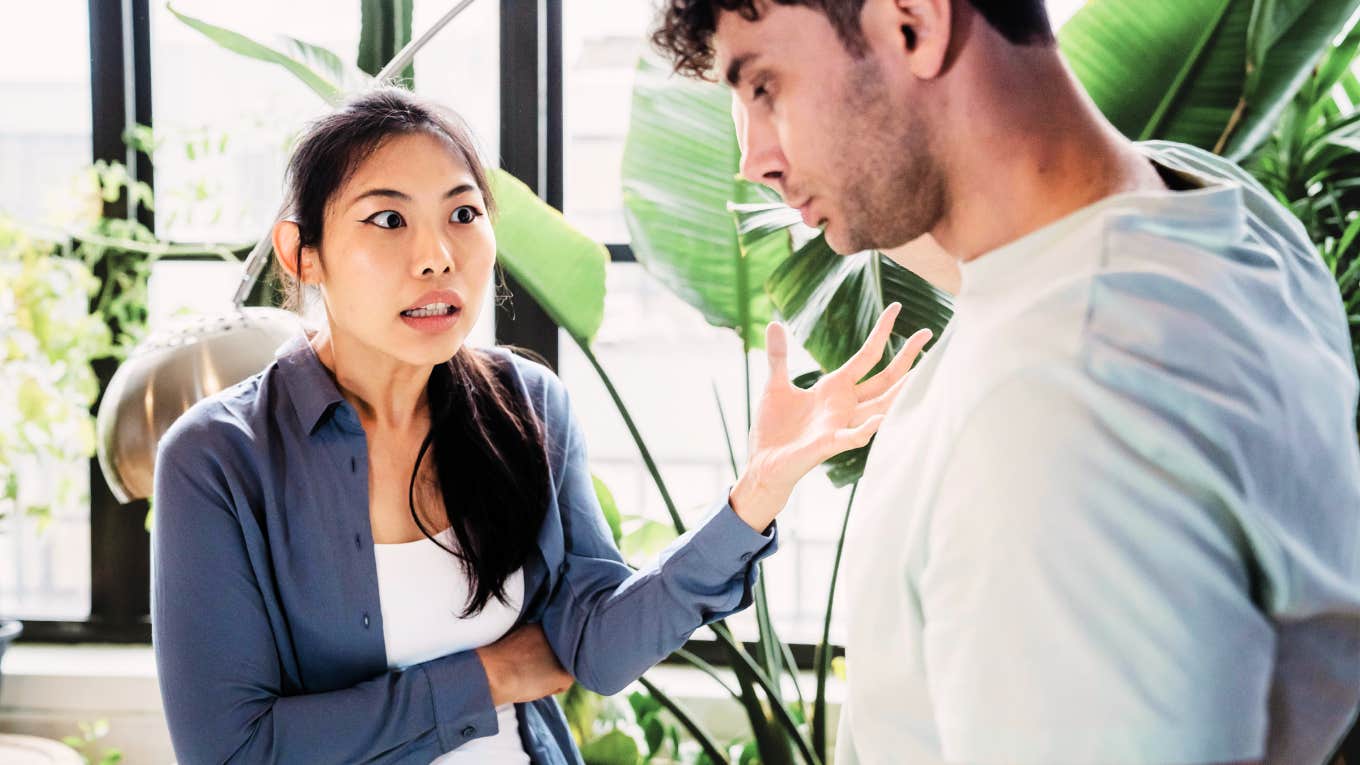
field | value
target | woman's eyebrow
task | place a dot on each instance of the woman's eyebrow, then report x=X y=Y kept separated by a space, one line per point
x=462 y=188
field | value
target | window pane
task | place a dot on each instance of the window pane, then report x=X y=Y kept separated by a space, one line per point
x=601 y=42
x=44 y=146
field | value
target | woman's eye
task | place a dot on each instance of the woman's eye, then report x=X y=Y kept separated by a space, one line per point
x=386 y=219
x=465 y=214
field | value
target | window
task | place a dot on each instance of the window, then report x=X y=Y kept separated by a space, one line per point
x=222 y=128
x=44 y=147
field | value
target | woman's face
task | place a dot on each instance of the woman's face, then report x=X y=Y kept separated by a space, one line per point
x=407 y=252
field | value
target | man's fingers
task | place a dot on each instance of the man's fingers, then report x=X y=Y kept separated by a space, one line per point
x=860 y=435
x=868 y=355
x=878 y=405
x=897 y=369
x=777 y=352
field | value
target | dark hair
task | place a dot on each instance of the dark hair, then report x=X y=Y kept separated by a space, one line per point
x=488 y=443
x=685 y=27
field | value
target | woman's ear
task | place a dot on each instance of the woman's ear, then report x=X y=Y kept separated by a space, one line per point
x=290 y=253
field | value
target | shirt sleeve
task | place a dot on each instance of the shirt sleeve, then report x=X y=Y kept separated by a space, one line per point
x=1082 y=604
x=607 y=623
x=218 y=665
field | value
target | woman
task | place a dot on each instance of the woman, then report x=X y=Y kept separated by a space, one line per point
x=386 y=547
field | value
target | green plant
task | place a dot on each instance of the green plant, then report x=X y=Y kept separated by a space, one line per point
x=1311 y=162
x=86 y=744
x=48 y=337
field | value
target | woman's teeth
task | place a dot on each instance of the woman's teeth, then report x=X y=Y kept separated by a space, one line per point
x=433 y=309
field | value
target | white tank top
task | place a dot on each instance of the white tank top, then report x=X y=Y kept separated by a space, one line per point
x=423 y=591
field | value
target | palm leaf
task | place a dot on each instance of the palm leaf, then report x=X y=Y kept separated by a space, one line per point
x=557 y=265
x=317 y=68
x=679 y=173
x=1211 y=73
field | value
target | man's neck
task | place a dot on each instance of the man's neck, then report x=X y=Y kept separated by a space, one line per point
x=1034 y=150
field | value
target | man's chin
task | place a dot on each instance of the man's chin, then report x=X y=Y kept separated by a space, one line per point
x=842 y=242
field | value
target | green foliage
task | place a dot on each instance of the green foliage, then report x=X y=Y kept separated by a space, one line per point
x=48 y=337
x=384 y=29
x=1311 y=162
x=1211 y=73
x=679 y=173
x=319 y=69
x=561 y=268
x=87 y=744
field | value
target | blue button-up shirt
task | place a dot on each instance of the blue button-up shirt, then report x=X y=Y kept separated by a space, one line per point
x=266 y=619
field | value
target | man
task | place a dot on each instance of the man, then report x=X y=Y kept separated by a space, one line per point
x=1115 y=515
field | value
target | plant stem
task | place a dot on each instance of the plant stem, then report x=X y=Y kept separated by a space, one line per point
x=823 y=657
x=637 y=437
x=707 y=669
x=686 y=720
x=749 y=671
x=727 y=432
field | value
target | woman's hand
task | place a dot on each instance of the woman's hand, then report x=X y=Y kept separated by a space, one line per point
x=796 y=430
x=521 y=667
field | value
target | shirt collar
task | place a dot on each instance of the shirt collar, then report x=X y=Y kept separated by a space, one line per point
x=1211 y=213
x=311 y=389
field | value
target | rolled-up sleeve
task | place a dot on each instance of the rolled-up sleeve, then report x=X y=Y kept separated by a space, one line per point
x=218 y=661
x=608 y=623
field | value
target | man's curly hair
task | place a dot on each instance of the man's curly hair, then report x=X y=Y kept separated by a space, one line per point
x=685 y=29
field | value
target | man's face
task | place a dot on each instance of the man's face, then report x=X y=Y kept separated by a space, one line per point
x=828 y=130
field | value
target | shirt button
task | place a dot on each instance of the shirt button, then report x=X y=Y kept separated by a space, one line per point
x=469 y=731
x=365 y=621
x=745 y=557
x=358 y=544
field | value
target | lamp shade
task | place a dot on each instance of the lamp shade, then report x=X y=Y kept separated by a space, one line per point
x=170 y=371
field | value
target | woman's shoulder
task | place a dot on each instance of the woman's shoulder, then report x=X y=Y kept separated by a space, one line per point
x=218 y=424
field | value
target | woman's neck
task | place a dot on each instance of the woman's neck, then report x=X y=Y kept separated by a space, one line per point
x=386 y=392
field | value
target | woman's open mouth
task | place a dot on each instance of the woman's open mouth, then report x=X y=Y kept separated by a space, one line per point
x=432 y=317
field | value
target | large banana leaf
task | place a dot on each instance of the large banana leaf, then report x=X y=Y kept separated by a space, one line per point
x=560 y=267
x=679 y=173
x=1212 y=73
x=318 y=68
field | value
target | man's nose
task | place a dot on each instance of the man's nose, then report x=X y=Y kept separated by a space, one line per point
x=762 y=160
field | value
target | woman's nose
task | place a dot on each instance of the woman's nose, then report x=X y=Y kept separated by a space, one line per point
x=435 y=255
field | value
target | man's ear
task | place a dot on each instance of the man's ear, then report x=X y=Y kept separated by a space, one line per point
x=290 y=253
x=917 y=30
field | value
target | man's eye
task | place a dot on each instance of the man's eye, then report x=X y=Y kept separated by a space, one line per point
x=386 y=219
x=465 y=214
